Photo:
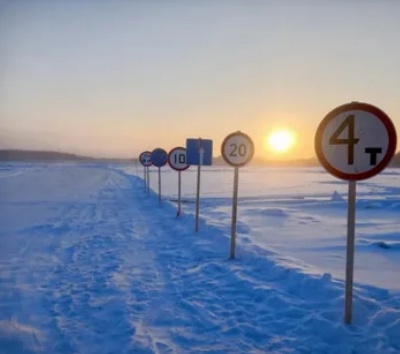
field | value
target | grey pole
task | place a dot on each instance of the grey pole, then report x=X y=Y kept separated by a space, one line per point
x=201 y=152
x=145 y=178
x=159 y=184
x=351 y=216
x=148 y=179
x=179 y=193
x=234 y=212
x=198 y=198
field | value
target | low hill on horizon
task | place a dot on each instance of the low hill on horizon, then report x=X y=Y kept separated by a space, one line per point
x=14 y=155
x=49 y=156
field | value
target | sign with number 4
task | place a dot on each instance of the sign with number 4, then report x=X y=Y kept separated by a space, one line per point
x=355 y=141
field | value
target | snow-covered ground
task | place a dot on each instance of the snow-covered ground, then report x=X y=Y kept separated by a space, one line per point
x=302 y=213
x=89 y=263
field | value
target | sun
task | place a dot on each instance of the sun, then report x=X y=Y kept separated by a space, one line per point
x=280 y=141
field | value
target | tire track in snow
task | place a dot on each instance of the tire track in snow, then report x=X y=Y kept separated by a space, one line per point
x=66 y=272
x=88 y=303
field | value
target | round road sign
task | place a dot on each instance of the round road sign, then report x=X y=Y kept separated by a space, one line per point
x=177 y=159
x=355 y=141
x=237 y=149
x=145 y=158
x=159 y=157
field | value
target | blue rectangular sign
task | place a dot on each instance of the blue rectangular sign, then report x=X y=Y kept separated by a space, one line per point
x=193 y=151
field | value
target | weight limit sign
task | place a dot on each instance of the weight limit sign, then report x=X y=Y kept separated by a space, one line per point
x=355 y=141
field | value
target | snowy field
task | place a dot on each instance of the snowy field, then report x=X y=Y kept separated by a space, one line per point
x=89 y=263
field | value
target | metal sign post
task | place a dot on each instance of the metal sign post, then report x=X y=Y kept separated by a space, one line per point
x=178 y=213
x=159 y=184
x=201 y=153
x=237 y=150
x=159 y=158
x=198 y=152
x=351 y=220
x=148 y=179
x=234 y=213
x=177 y=161
x=145 y=160
x=145 y=178
x=354 y=142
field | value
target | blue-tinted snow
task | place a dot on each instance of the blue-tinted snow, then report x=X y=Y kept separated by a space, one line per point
x=90 y=264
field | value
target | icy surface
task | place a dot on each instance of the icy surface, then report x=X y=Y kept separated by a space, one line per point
x=90 y=264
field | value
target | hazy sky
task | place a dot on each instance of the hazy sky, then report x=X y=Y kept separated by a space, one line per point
x=114 y=78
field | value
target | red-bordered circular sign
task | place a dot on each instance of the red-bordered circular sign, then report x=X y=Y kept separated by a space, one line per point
x=355 y=141
x=237 y=149
x=177 y=159
x=145 y=158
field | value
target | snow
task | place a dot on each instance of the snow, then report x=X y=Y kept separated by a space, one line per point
x=89 y=263
x=302 y=213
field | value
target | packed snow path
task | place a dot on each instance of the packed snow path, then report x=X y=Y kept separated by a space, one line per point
x=90 y=264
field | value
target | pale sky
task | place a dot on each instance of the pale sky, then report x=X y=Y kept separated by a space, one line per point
x=114 y=78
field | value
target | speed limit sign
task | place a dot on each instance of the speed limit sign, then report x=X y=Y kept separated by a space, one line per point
x=237 y=149
x=177 y=159
x=355 y=141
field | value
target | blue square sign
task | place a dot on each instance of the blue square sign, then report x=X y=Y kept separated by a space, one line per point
x=193 y=148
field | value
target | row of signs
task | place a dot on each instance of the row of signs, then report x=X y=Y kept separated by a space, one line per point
x=237 y=150
x=353 y=142
x=159 y=158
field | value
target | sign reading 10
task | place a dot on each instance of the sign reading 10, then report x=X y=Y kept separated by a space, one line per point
x=177 y=159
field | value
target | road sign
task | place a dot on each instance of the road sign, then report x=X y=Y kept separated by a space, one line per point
x=145 y=158
x=198 y=152
x=237 y=149
x=177 y=159
x=355 y=141
x=159 y=157
x=197 y=148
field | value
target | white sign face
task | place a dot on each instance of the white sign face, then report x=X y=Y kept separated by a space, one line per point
x=237 y=149
x=177 y=159
x=145 y=158
x=355 y=141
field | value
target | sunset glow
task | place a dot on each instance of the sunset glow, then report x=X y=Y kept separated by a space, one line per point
x=280 y=141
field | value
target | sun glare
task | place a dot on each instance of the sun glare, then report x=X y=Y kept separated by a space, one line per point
x=280 y=141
